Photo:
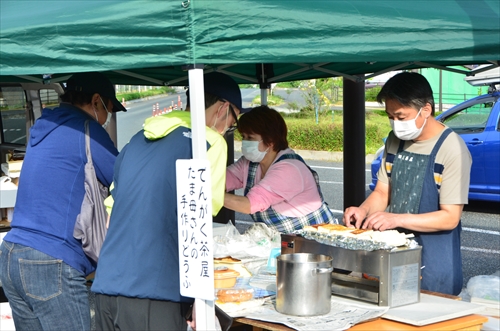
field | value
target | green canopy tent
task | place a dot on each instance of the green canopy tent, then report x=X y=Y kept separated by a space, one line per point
x=258 y=41
x=141 y=40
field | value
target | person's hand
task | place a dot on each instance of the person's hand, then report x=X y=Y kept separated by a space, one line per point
x=192 y=322
x=354 y=216
x=382 y=221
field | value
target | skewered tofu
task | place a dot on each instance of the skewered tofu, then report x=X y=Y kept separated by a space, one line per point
x=389 y=237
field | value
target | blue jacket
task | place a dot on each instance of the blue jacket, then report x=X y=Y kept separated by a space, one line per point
x=51 y=185
x=140 y=256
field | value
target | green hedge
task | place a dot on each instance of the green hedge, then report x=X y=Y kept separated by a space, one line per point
x=127 y=96
x=330 y=137
x=328 y=134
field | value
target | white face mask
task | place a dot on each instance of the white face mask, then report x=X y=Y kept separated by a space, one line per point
x=213 y=127
x=250 y=149
x=108 y=118
x=407 y=130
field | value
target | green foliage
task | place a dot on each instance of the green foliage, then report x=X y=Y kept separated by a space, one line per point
x=321 y=137
x=322 y=93
x=328 y=134
x=292 y=84
x=377 y=128
x=371 y=93
x=127 y=96
x=293 y=106
x=378 y=112
x=374 y=137
x=272 y=100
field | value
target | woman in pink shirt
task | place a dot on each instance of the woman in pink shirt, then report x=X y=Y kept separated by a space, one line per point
x=281 y=190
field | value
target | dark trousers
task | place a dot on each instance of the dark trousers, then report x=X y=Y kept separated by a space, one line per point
x=123 y=313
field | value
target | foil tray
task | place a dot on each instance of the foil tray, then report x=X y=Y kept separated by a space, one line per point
x=350 y=242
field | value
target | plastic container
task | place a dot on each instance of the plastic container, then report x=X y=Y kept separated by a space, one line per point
x=235 y=294
x=225 y=277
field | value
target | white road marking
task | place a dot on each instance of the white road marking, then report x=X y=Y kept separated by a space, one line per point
x=327 y=182
x=18 y=139
x=481 y=250
x=323 y=167
x=496 y=233
x=333 y=168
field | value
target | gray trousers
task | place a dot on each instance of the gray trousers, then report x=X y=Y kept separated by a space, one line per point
x=123 y=313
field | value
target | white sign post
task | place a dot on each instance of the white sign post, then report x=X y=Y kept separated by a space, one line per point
x=195 y=233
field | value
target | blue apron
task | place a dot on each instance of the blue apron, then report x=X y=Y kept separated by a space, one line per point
x=287 y=224
x=414 y=191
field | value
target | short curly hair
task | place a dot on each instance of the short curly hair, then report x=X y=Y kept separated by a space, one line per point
x=267 y=123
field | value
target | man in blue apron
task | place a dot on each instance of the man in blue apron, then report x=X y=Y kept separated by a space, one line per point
x=423 y=182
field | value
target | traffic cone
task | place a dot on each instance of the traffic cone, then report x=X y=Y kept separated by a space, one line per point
x=179 y=103
x=154 y=111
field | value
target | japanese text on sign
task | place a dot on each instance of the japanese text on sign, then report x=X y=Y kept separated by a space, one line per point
x=194 y=219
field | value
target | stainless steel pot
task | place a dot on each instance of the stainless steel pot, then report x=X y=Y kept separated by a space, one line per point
x=304 y=284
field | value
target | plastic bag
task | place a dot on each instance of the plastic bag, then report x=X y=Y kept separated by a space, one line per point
x=230 y=242
x=263 y=235
x=257 y=241
x=484 y=287
x=252 y=248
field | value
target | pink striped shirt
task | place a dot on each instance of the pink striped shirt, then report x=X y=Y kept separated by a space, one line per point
x=288 y=186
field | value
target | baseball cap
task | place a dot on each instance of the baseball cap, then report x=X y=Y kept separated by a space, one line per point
x=94 y=82
x=224 y=87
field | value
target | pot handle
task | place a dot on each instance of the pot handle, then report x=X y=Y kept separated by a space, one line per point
x=322 y=270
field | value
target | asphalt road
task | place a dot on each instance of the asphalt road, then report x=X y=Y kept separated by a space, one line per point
x=130 y=122
x=14 y=129
x=480 y=221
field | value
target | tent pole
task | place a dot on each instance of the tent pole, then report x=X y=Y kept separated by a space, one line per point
x=354 y=142
x=205 y=309
x=197 y=109
x=263 y=96
x=264 y=72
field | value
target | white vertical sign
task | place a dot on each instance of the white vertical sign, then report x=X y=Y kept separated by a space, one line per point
x=194 y=220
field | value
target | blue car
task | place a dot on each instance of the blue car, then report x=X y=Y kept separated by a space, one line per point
x=477 y=121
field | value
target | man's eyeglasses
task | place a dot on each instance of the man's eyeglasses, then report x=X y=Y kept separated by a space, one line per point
x=231 y=109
